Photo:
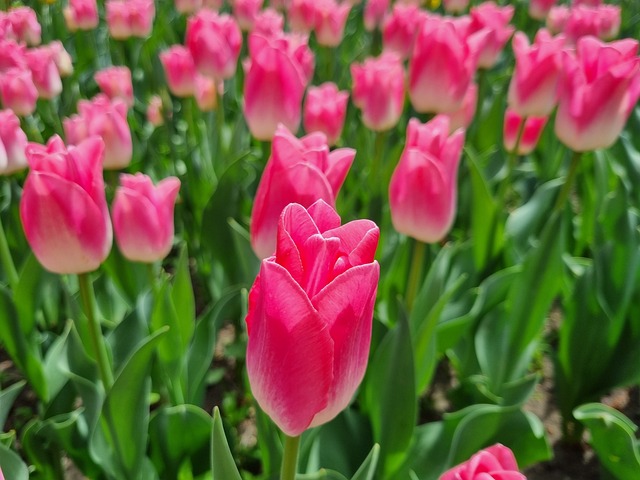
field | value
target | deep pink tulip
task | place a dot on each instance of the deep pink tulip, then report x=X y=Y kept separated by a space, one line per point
x=530 y=135
x=400 y=28
x=539 y=9
x=533 y=90
x=44 y=71
x=493 y=463
x=494 y=20
x=442 y=66
x=600 y=86
x=301 y=15
x=14 y=141
x=325 y=109
x=64 y=210
x=423 y=188
x=130 y=18
x=180 y=70
x=81 y=15
x=455 y=6
x=602 y=22
x=12 y=55
x=588 y=3
x=155 y=111
x=115 y=82
x=310 y=316
x=301 y=171
x=107 y=119
x=378 y=90
x=277 y=75
x=245 y=12
x=25 y=26
x=374 y=13
x=269 y=22
x=143 y=217
x=214 y=41
x=330 y=20
x=118 y=19
x=18 y=92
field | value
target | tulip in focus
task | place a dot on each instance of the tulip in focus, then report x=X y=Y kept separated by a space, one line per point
x=301 y=171
x=276 y=77
x=423 y=188
x=493 y=463
x=143 y=217
x=529 y=133
x=64 y=210
x=378 y=91
x=539 y=9
x=533 y=90
x=330 y=20
x=18 y=92
x=14 y=142
x=310 y=317
x=325 y=109
x=81 y=15
x=214 y=41
x=600 y=86
x=179 y=70
x=115 y=82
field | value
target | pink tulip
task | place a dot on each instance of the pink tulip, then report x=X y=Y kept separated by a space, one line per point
x=269 y=23
x=46 y=77
x=423 y=188
x=207 y=92
x=378 y=90
x=12 y=55
x=81 y=15
x=154 y=111
x=588 y=3
x=115 y=82
x=557 y=18
x=214 y=5
x=600 y=86
x=533 y=90
x=493 y=463
x=530 y=135
x=325 y=109
x=18 y=92
x=214 y=42
x=602 y=22
x=442 y=66
x=400 y=28
x=330 y=20
x=245 y=12
x=374 y=13
x=277 y=74
x=143 y=217
x=455 y=6
x=25 y=26
x=539 y=9
x=64 y=210
x=14 y=141
x=180 y=70
x=118 y=19
x=130 y=18
x=310 y=316
x=107 y=119
x=301 y=15
x=494 y=20
x=301 y=171
x=61 y=58
x=187 y=7
x=462 y=118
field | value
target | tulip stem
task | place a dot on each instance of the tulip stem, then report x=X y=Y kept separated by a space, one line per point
x=290 y=457
x=566 y=187
x=99 y=349
x=419 y=251
x=7 y=260
x=510 y=164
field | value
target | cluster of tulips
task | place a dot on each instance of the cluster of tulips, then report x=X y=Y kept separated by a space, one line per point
x=309 y=321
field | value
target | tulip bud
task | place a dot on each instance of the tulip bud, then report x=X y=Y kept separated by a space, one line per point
x=143 y=217
x=310 y=317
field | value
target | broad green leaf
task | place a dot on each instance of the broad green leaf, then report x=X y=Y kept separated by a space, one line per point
x=613 y=438
x=183 y=299
x=223 y=466
x=13 y=468
x=7 y=397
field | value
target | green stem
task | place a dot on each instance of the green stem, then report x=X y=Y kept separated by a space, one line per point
x=415 y=273
x=99 y=349
x=290 y=458
x=376 y=166
x=511 y=161
x=7 y=260
x=219 y=124
x=566 y=187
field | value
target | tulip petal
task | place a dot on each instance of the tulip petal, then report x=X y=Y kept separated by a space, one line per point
x=359 y=240
x=324 y=216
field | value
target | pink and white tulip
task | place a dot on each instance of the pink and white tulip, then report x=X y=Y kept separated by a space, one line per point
x=18 y=92
x=494 y=20
x=529 y=133
x=180 y=70
x=81 y=15
x=115 y=82
x=325 y=109
x=14 y=142
x=330 y=20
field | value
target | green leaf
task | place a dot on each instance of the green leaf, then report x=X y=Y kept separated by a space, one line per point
x=13 y=468
x=7 y=397
x=368 y=468
x=613 y=438
x=27 y=293
x=183 y=300
x=321 y=475
x=223 y=466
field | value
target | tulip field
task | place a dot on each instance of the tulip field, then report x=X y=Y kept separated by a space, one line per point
x=319 y=239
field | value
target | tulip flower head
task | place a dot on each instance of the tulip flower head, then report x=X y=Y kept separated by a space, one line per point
x=81 y=15
x=330 y=20
x=400 y=28
x=423 y=187
x=455 y=6
x=18 y=92
x=374 y=13
x=180 y=70
x=25 y=26
x=14 y=142
x=298 y=171
x=494 y=463
x=494 y=20
x=325 y=109
x=143 y=217
x=63 y=207
x=115 y=82
x=539 y=9
x=310 y=316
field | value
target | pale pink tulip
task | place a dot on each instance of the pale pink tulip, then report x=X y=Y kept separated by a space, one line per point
x=115 y=82
x=493 y=463
x=455 y=6
x=423 y=187
x=81 y=15
x=206 y=92
x=539 y=9
x=301 y=171
x=118 y=19
x=180 y=70
x=529 y=134
x=155 y=111
x=330 y=20
x=18 y=92
x=61 y=58
x=310 y=317
x=557 y=18
x=64 y=210
x=374 y=13
x=325 y=109
x=462 y=118
x=130 y=18
x=143 y=217
x=44 y=71
x=24 y=25
x=269 y=22
x=14 y=141
x=187 y=7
